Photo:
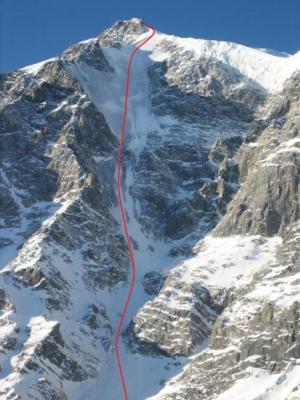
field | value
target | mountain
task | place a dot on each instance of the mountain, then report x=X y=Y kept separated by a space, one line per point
x=210 y=180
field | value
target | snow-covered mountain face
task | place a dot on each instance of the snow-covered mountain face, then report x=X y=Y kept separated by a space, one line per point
x=211 y=191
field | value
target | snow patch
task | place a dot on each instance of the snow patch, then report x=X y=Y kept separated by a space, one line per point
x=228 y=261
x=264 y=386
x=33 y=69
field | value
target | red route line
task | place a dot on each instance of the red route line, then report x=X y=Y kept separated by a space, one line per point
x=123 y=215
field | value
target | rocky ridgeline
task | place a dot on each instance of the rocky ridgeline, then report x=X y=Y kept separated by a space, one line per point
x=253 y=331
x=56 y=208
x=257 y=326
x=272 y=166
x=185 y=174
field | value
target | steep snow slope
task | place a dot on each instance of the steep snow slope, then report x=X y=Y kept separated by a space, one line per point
x=269 y=69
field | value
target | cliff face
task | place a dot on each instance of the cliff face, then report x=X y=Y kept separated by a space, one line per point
x=210 y=185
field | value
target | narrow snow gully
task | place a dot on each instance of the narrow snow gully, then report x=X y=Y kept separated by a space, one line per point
x=123 y=215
